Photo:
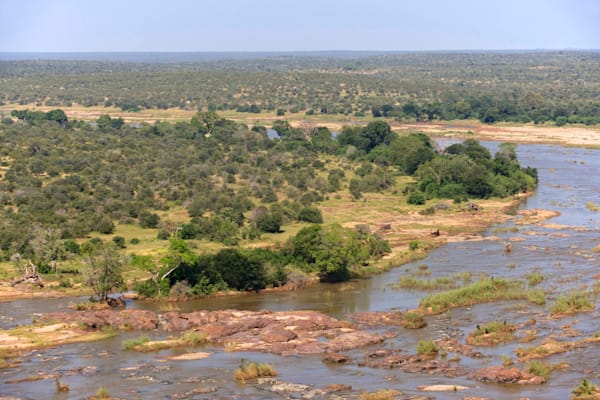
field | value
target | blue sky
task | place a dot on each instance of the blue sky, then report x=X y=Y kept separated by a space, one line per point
x=286 y=25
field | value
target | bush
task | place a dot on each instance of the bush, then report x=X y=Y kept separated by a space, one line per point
x=416 y=198
x=427 y=348
x=238 y=271
x=585 y=388
x=180 y=289
x=163 y=234
x=148 y=220
x=251 y=370
x=72 y=246
x=269 y=222
x=572 y=303
x=310 y=214
x=539 y=368
x=105 y=226
x=119 y=241
x=414 y=245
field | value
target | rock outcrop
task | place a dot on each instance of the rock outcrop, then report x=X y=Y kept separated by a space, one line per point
x=499 y=374
x=286 y=332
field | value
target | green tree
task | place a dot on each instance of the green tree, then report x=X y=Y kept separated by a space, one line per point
x=103 y=270
x=58 y=116
x=377 y=132
x=47 y=245
x=239 y=271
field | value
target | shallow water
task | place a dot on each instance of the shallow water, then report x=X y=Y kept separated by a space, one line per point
x=562 y=252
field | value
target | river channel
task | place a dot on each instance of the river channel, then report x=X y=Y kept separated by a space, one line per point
x=561 y=249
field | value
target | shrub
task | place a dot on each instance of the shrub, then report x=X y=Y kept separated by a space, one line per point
x=572 y=303
x=72 y=246
x=586 y=389
x=416 y=198
x=492 y=333
x=238 y=271
x=163 y=234
x=413 y=320
x=130 y=344
x=105 y=226
x=119 y=241
x=427 y=211
x=539 y=368
x=251 y=370
x=534 y=278
x=179 y=289
x=310 y=214
x=102 y=393
x=269 y=222
x=427 y=348
x=148 y=220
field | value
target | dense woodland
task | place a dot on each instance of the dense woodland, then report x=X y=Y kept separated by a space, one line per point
x=62 y=180
x=561 y=87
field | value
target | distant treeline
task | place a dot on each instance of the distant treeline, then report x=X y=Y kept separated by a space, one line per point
x=562 y=87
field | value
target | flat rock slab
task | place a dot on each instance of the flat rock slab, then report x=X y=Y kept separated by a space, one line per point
x=283 y=332
x=441 y=388
x=200 y=355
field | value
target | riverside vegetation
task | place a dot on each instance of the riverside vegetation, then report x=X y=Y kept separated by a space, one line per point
x=222 y=185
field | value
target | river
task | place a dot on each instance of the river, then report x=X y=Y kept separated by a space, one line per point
x=560 y=249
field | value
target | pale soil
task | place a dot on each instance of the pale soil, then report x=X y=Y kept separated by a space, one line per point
x=566 y=135
x=31 y=337
x=189 y=356
x=25 y=291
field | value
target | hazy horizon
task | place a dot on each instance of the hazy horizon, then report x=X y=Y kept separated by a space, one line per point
x=111 y=26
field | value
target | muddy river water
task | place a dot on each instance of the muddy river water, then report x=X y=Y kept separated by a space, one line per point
x=561 y=249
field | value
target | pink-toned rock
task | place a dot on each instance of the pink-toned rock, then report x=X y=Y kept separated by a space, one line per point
x=285 y=332
x=121 y=319
x=499 y=374
x=335 y=358
x=276 y=333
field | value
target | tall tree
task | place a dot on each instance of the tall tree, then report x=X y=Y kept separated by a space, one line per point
x=103 y=270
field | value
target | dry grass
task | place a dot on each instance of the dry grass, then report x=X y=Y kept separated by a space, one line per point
x=251 y=370
x=144 y=344
x=492 y=333
x=384 y=394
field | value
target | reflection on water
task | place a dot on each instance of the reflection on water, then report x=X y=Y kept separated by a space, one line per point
x=568 y=180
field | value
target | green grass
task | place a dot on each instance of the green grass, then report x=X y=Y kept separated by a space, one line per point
x=492 y=333
x=539 y=368
x=427 y=348
x=409 y=282
x=483 y=291
x=572 y=303
x=585 y=390
x=144 y=344
x=413 y=320
x=534 y=278
x=536 y=296
x=131 y=344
